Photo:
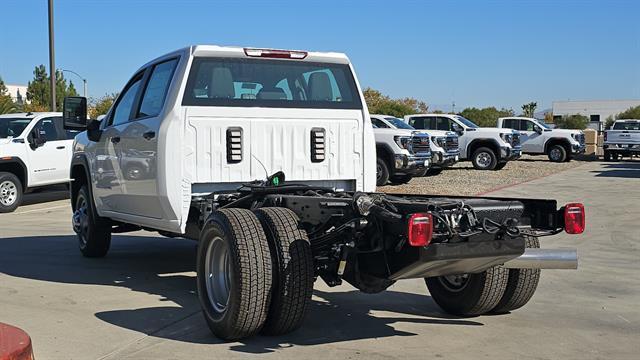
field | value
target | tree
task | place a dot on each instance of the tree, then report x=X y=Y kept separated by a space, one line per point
x=609 y=122
x=6 y=103
x=529 y=109
x=101 y=106
x=548 y=117
x=630 y=113
x=379 y=103
x=576 y=121
x=486 y=117
x=38 y=89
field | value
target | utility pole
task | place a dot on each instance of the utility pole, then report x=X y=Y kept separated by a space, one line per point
x=84 y=81
x=453 y=107
x=52 y=60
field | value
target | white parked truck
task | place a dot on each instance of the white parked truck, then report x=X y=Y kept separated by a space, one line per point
x=401 y=153
x=443 y=144
x=623 y=139
x=486 y=148
x=537 y=137
x=35 y=151
x=213 y=122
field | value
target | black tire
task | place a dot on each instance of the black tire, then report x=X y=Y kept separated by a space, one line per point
x=245 y=281
x=522 y=284
x=607 y=155
x=421 y=173
x=484 y=159
x=500 y=165
x=400 y=179
x=292 y=264
x=10 y=192
x=557 y=153
x=434 y=171
x=478 y=294
x=382 y=172
x=94 y=232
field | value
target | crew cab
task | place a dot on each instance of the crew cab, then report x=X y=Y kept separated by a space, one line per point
x=35 y=151
x=623 y=139
x=539 y=138
x=486 y=148
x=443 y=144
x=401 y=153
x=218 y=120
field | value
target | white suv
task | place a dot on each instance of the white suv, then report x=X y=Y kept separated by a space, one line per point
x=538 y=138
x=35 y=150
x=486 y=148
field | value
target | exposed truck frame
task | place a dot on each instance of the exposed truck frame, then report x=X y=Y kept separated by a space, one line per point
x=263 y=243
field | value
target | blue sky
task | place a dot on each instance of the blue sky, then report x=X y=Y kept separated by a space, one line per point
x=476 y=53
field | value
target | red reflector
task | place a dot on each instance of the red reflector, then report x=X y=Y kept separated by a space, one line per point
x=272 y=53
x=420 y=229
x=574 y=219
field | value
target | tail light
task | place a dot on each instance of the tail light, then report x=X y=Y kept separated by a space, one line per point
x=318 y=142
x=420 y=229
x=234 y=145
x=273 y=53
x=605 y=136
x=574 y=219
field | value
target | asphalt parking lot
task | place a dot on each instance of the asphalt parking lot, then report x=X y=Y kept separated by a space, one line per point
x=139 y=302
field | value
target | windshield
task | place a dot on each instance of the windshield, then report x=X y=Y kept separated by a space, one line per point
x=12 y=127
x=399 y=123
x=270 y=83
x=627 y=125
x=544 y=124
x=467 y=122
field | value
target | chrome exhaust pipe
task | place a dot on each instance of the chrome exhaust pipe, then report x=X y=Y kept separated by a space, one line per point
x=544 y=259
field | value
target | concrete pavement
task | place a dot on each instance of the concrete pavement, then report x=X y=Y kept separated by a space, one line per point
x=139 y=302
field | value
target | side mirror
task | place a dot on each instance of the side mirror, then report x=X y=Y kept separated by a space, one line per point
x=36 y=139
x=74 y=113
x=537 y=129
x=458 y=129
x=93 y=130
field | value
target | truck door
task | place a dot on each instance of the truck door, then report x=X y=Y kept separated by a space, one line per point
x=49 y=163
x=139 y=144
x=532 y=142
x=106 y=167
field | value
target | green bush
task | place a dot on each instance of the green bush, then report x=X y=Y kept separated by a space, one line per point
x=487 y=117
x=630 y=113
x=576 y=121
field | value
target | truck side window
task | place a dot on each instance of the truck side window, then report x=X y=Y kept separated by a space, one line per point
x=510 y=124
x=122 y=111
x=526 y=125
x=47 y=129
x=443 y=124
x=156 y=90
x=417 y=123
x=378 y=124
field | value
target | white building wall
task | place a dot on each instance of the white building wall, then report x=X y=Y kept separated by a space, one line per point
x=17 y=90
x=603 y=108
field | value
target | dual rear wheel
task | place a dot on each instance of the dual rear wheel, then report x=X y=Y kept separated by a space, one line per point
x=496 y=290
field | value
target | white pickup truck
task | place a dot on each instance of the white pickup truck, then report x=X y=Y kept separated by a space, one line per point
x=443 y=144
x=214 y=121
x=623 y=139
x=487 y=148
x=35 y=151
x=401 y=153
x=538 y=138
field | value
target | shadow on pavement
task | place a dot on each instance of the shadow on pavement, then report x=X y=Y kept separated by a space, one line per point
x=45 y=194
x=164 y=267
x=626 y=169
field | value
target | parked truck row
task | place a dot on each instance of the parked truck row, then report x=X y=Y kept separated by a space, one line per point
x=267 y=158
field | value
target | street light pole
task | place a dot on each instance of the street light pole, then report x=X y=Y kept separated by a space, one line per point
x=52 y=61
x=84 y=81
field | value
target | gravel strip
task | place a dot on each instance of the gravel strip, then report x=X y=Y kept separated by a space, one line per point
x=463 y=179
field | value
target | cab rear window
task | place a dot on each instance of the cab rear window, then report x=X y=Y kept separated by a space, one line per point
x=627 y=125
x=270 y=83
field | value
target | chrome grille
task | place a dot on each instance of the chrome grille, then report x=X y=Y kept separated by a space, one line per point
x=451 y=143
x=580 y=138
x=420 y=144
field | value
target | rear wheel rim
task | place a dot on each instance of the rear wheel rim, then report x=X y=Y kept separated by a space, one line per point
x=8 y=193
x=378 y=171
x=555 y=154
x=483 y=159
x=80 y=221
x=454 y=283
x=218 y=274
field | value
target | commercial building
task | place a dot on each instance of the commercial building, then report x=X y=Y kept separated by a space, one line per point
x=596 y=110
x=18 y=93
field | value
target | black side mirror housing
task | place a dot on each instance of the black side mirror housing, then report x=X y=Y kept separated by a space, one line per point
x=74 y=113
x=36 y=139
x=458 y=129
x=93 y=130
x=537 y=129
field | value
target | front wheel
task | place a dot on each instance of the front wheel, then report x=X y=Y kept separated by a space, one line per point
x=400 y=179
x=382 y=172
x=233 y=273
x=484 y=159
x=500 y=165
x=557 y=153
x=469 y=294
x=10 y=192
x=94 y=232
